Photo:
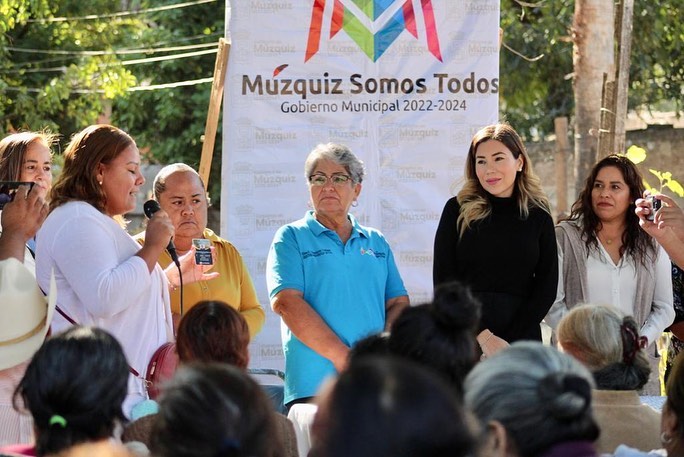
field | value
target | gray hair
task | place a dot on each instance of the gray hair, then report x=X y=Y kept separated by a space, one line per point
x=541 y=396
x=607 y=342
x=159 y=185
x=338 y=153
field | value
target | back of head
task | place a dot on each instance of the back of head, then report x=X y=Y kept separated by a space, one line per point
x=214 y=410
x=675 y=394
x=13 y=151
x=608 y=343
x=88 y=148
x=389 y=407
x=440 y=335
x=541 y=396
x=376 y=344
x=74 y=388
x=212 y=331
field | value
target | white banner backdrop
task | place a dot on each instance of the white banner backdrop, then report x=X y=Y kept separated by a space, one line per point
x=403 y=83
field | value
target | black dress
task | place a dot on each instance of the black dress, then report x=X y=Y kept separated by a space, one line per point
x=510 y=264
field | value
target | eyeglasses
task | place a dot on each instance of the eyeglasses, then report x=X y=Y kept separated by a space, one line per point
x=337 y=180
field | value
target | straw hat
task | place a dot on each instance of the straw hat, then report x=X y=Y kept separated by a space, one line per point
x=26 y=313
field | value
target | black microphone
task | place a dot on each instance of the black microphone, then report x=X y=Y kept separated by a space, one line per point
x=149 y=208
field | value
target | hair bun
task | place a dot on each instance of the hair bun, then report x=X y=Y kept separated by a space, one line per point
x=565 y=396
x=455 y=307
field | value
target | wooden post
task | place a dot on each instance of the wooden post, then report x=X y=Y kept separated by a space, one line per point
x=561 y=160
x=214 y=110
x=623 y=34
x=607 y=119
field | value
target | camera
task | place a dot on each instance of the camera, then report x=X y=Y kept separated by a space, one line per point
x=656 y=203
x=8 y=189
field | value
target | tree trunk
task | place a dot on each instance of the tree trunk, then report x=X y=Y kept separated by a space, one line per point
x=593 y=55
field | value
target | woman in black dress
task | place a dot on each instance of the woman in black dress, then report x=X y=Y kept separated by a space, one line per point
x=497 y=237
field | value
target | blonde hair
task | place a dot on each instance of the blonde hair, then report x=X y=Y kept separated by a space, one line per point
x=607 y=342
x=527 y=190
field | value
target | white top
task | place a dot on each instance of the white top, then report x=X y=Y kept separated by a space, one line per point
x=615 y=285
x=28 y=257
x=16 y=427
x=101 y=282
x=302 y=416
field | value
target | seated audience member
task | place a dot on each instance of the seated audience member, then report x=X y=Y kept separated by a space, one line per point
x=214 y=410
x=390 y=407
x=441 y=335
x=672 y=423
x=672 y=427
x=74 y=388
x=533 y=401
x=180 y=192
x=213 y=331
x=376 y=344
x=26 y=315
x=608 y=343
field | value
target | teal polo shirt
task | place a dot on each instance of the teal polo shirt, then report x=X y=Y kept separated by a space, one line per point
x=346 y=284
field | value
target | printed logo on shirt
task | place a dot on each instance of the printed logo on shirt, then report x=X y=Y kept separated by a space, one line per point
x=320 y=252
x=372 y=253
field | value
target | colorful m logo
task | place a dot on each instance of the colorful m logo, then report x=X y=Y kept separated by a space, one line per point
x=389 y=24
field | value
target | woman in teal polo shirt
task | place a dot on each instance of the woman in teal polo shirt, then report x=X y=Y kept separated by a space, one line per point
x=331 y=280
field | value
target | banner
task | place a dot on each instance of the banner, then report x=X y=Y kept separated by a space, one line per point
x=403 y=83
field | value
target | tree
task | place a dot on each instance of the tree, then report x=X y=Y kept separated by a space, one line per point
x=63 y=74
x=537 y=61
x=47 y=80
x=170 y=122
x=593 y=56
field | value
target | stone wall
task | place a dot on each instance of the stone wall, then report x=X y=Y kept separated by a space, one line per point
x=663 y=143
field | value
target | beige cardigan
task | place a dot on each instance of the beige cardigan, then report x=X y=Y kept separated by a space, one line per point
x=623 y=419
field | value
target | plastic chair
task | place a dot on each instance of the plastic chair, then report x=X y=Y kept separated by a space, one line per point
x=275 y=392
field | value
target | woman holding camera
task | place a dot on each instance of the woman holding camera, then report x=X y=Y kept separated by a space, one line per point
x=26 y=157
x=604 y=257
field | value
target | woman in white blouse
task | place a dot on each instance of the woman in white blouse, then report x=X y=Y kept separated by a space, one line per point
x=104 y=278
x=604 y=256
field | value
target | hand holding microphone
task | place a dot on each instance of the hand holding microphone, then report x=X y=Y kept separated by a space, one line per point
x=159 y=227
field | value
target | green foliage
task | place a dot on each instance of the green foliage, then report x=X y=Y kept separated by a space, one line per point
x=637 y=155
x=533 y=93
x=170 y=122
x=66 y=90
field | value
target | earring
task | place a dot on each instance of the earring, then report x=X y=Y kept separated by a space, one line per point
x=520 y=169
x=99 y=182
x=665 y=438
x=355 y=203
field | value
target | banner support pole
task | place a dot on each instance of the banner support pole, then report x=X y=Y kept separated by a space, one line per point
x=214 y=110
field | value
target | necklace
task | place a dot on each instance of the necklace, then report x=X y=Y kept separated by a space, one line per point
x=604 y=239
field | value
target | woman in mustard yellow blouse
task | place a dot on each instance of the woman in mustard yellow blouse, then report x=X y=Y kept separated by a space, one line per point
x=180 y=192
